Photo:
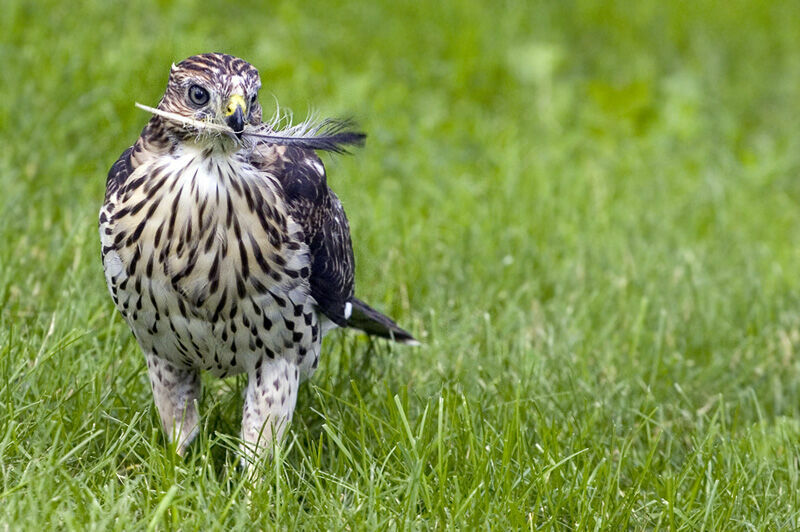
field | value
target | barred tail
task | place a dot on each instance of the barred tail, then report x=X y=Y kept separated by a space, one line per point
x=374 y=323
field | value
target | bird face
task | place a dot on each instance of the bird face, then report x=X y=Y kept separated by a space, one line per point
x=216 y=88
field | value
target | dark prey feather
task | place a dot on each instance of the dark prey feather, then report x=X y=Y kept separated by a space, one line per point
x=331 y=135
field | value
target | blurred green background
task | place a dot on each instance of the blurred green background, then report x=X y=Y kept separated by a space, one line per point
x=588 y=211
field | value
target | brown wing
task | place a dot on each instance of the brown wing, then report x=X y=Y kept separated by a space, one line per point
x=321 y=215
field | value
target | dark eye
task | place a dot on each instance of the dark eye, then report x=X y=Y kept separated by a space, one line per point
x=198 y=95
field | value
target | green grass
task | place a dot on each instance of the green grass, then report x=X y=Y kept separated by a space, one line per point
x=587 y=211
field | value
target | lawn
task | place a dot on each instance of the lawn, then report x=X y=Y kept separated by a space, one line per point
x=588 y=212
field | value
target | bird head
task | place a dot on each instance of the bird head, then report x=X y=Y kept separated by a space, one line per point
x=216 y=88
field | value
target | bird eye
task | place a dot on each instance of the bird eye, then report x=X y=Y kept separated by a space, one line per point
x=198 y=95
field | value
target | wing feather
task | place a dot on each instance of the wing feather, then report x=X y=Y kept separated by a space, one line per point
x=119 y=173
x=319 y=212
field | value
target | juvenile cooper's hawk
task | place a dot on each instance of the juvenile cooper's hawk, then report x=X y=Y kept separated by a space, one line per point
x=227 y=252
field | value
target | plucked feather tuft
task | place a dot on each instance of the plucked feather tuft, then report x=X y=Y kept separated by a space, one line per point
x=329 y=134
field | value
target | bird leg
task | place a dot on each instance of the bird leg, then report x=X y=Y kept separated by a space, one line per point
x=176 y=392
x=268 y=405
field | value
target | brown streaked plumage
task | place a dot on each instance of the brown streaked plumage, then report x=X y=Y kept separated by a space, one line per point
x=227 y=254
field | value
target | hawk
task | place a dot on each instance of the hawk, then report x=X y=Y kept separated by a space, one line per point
x=226 y=251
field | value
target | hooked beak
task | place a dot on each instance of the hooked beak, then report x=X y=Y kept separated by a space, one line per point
x=234 y=114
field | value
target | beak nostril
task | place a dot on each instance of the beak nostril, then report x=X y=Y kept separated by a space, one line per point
x=234 y=113
x=235 y=102
x=236 y=120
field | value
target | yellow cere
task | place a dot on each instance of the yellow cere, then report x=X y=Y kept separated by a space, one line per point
x=234 y=101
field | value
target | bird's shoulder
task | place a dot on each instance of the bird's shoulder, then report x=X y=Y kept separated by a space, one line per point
x=119 y=172
x=311 y=203
x=151 y=142
x=300 y=173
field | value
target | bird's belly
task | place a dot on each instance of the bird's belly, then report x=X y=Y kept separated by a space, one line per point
x=221 y=332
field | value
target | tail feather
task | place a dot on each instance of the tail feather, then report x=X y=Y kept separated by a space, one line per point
x=372 y=322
